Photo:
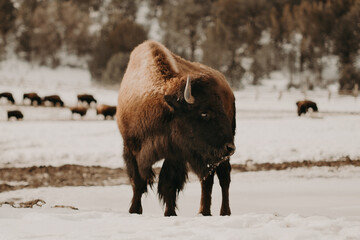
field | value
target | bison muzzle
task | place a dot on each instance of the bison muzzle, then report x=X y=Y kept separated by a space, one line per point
x=179 y=111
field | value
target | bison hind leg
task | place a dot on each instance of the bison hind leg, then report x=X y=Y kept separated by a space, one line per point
x=148 y=175
x=139 y=185
x=172 y=178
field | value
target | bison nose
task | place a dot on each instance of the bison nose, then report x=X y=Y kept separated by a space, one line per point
x=230 y=148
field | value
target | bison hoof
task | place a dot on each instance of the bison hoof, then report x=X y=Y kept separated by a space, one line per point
x=205 y=213
x=225 y=212
x=135 y=210
x=170 y=213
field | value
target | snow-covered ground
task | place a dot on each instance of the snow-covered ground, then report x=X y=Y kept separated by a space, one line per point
x=297 y=204
x=317 y=203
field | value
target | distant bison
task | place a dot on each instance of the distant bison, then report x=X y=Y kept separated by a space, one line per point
x=54 y=99
x=303 y=106
x=16 y=114
x=78 y=110
x=180 y=111
x=33 y=97
x=86 y=98
x=8 y=96
x=106 y=110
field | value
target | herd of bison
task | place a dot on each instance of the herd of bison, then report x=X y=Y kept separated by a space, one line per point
x=54 y=100
x=105 y=110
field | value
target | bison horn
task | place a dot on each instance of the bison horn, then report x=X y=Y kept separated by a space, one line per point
x=187 y=93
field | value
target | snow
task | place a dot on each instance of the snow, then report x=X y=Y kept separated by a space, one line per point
x=56 y=143
x=315 y=203
x=296 y=139
x=277 y=205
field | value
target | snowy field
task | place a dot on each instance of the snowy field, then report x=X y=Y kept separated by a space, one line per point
x=275 y=205
x=317 y=203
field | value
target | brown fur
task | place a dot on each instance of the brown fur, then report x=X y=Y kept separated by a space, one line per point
x=33 y=97
x=106 y=111
x=16 y=114
x=8 y=96
x=303 y=106
x=86 y=98
x=156 y=123
x=54 y=99
x=78 y=110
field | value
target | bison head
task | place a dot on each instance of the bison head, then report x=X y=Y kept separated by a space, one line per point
x=199 y=124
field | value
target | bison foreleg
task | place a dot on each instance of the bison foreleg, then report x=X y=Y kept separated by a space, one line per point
x=223 y=173
x=206 y=190
x=172 y=177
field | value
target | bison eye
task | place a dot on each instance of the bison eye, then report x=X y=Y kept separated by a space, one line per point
x=205 y=116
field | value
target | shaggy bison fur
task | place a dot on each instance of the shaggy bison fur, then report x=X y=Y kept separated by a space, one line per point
x=179 y=111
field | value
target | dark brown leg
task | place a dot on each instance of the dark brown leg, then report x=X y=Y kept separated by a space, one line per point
x=206 y=191
x=138 y=184
x=138 y=190
x=172 y=177
x=223 y=173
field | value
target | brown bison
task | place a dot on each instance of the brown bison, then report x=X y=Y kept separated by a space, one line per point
x=78 y=110
x=8 y=96
x=54 y=99
x=179 y=111
x=86 y=98
x=106 y=111
x=16 y=114
x=303 y=106
x=33 y=97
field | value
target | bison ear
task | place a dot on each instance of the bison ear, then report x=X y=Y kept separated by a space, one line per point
x=173 y=101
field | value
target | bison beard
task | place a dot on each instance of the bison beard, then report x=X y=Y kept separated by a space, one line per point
x=179 y=111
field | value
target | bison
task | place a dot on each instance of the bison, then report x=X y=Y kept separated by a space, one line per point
x=54 y=99
x=106 y=111
x=86 y=98
x=78 y=110
x=16 y=114
x=303 y=106
x=179 y=111
x=8 y=96
x=33 y=97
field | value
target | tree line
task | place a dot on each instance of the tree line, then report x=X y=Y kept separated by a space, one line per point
x=243 y=39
